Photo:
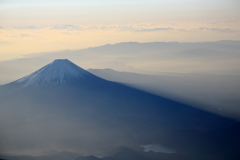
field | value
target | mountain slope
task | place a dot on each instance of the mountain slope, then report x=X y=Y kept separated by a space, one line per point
x=215 y=93
x=88 y=114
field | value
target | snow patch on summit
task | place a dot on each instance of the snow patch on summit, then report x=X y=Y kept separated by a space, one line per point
x=60 y=71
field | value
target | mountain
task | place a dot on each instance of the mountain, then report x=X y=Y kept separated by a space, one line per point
x=151 y=57
x=215 y=93
x=62 y=107
x=60 y=71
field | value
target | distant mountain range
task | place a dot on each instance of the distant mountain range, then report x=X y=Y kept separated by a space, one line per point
x=63 y=107
x=220 y=57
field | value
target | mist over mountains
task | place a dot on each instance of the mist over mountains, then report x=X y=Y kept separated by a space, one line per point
x=215 y=93
x=66 y=110
x=204 y=73
x=69 y=109
x=220 y=57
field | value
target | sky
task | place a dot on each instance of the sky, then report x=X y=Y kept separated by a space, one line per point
x=31 y=26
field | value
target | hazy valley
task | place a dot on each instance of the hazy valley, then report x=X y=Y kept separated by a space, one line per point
x=64 y=108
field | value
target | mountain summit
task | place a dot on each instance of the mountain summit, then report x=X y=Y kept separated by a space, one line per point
x=60 y=71
x=82 y=112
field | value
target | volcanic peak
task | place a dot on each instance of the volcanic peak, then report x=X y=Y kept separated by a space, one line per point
x=60 y=71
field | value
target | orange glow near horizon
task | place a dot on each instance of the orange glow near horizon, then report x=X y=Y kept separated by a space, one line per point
x=19 y=41
x=33 y=27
